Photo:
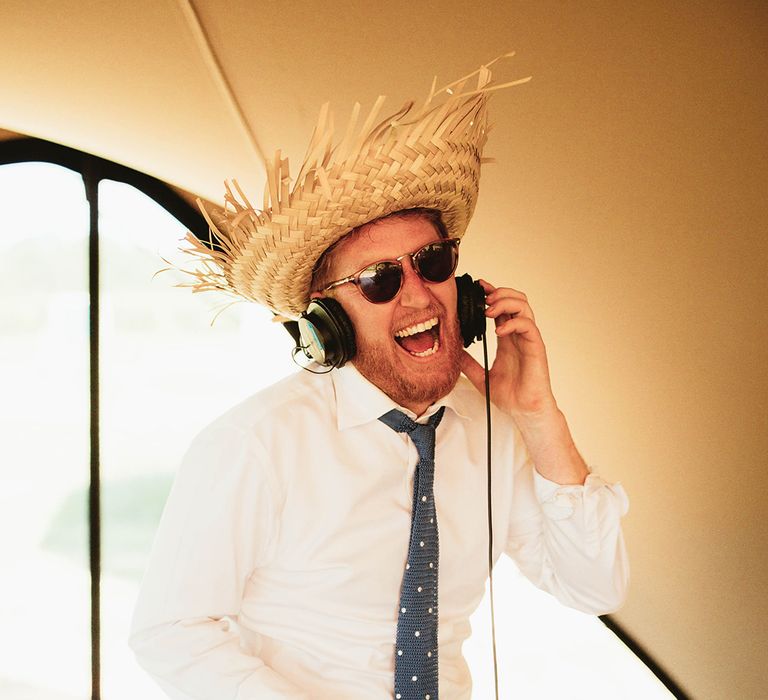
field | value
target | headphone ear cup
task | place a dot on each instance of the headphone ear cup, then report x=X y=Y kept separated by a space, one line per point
x=326 y=333
x=470 y=301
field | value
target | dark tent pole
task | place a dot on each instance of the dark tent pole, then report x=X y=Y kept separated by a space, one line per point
x=91 y=180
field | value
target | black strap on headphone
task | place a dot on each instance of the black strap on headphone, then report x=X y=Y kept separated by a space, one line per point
x=470 y=302
x=324 y=332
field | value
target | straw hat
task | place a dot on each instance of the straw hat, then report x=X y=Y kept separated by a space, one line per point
x=430 y=157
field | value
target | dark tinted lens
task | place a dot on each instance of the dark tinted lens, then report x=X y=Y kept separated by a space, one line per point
x=436 y=262
x=381 y=282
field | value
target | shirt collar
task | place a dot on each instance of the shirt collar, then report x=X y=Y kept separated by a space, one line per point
x=358 y=401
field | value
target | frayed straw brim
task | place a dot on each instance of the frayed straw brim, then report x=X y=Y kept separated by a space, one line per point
x=430 y=158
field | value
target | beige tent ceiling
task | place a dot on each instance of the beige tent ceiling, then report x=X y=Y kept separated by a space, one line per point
x=629 y=201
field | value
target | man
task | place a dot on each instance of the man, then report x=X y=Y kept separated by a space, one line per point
x=327 y=538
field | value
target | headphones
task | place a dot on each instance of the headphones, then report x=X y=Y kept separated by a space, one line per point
x=326 y=336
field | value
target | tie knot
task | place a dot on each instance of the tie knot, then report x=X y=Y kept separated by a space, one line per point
x=422 y=435
x=399 y=422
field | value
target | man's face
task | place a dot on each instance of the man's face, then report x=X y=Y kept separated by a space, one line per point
x=384 y=356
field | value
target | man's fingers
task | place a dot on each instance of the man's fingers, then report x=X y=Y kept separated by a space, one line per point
x=505 y=301
x=520 y=325
x=492 y=293
x=488 y=288
x=509 y=306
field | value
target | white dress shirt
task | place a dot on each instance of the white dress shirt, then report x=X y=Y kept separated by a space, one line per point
x=277 y=565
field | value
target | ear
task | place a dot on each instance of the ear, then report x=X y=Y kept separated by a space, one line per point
x=315 y=295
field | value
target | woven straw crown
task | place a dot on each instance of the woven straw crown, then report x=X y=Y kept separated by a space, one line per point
x=430 y=158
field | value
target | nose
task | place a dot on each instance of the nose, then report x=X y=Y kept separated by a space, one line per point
x=414 y=293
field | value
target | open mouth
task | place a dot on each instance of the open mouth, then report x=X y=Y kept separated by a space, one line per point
x=421 y=339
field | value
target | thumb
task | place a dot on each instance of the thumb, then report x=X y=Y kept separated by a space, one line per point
x=473 y=371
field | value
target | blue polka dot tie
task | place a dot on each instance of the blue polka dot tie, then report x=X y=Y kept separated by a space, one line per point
x=416 y=642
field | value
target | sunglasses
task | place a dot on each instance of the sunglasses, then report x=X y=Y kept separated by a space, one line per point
x=382 y=281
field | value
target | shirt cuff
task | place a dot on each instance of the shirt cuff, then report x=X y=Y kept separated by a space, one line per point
x=559 y=501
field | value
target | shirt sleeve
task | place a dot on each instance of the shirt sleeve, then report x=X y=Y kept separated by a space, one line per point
x=568 y=541
x=217 y=527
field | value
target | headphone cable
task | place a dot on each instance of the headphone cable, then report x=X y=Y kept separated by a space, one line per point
x=303 y=349
x=490 y=511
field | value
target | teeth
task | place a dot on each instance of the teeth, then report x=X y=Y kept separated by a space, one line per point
x=429 y=352
x=418 y=328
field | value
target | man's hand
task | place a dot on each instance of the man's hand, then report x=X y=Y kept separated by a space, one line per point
x=520 y=386
x=519 y=375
